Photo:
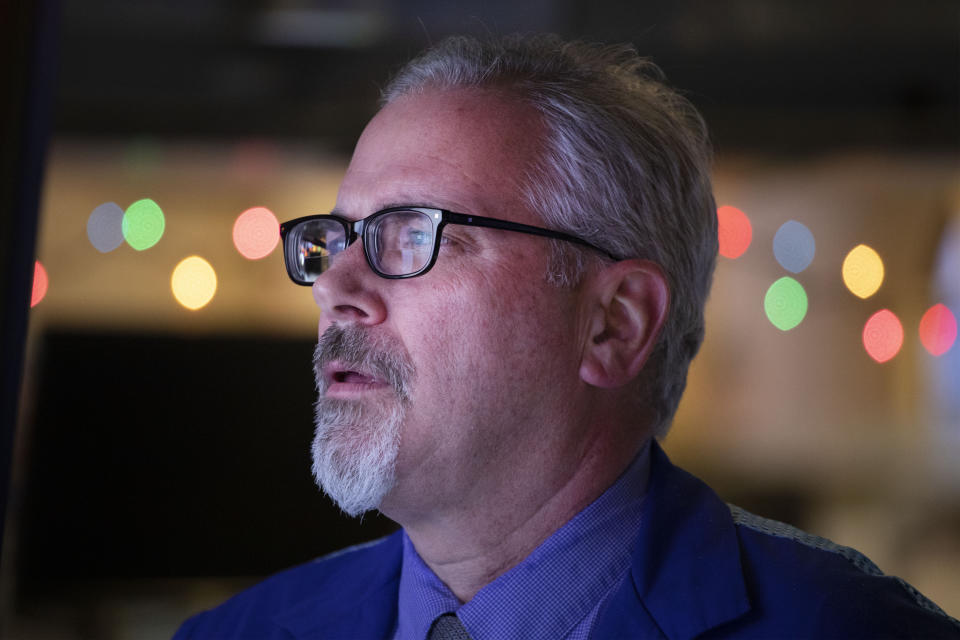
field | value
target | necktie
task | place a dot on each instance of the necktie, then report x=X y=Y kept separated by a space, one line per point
x=447 y=627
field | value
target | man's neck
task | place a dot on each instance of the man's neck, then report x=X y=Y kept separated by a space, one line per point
x=470 y=548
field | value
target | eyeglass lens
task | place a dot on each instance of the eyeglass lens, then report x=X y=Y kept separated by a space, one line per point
x=400 y=242
x=314 y=244
x=397 y=243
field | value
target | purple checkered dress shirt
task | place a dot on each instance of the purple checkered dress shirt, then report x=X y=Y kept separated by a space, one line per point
x=556 y=592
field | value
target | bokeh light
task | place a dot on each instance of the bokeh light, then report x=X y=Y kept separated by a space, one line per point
x=105 y=227
x=143 y=224
x=883 y=335
x=40 y=284
x=193 y=282
x=785 y=303
x=734 y=231
x=794 y=246
x=862 y=271
x=256 y=233
x=938 y=329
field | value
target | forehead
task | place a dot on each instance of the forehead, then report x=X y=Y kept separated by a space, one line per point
x=465 y=150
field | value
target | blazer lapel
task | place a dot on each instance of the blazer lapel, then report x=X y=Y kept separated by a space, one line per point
x=362 y=604
x=685 y=576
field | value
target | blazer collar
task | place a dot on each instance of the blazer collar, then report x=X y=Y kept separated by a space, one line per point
x=686 y=576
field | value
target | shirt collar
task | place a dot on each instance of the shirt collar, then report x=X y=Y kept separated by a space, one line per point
x=551 y=590
x=422 y=597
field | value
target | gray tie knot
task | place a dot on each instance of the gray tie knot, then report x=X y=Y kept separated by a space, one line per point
x=447 y=627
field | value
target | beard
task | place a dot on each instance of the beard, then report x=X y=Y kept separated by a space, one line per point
x=356 y=443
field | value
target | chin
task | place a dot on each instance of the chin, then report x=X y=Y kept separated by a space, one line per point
x=355 y=454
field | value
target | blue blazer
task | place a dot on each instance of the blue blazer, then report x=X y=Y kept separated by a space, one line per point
x=701 y=569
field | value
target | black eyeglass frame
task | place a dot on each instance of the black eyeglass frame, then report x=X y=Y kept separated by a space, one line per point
x=354 y=229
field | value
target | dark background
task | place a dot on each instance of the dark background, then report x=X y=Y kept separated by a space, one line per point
x=164 y=457
x=843 y=72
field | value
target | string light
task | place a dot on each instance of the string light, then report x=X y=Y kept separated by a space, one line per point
x=938 y=329
x=143 y=224
x=194 y=282
x=883 y=335
x=785 y=303
x=863 y=271
x=40 y=284
x=256 y=233
x=734 y=231
x=794 y=246
x=105 y=227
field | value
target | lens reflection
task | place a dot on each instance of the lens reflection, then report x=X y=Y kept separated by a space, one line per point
x=316 y=244
x=401 y=242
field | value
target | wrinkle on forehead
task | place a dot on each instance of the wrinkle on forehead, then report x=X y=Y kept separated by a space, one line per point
x=466 y=150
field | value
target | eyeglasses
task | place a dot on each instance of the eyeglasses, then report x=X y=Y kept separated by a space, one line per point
x=399 y=242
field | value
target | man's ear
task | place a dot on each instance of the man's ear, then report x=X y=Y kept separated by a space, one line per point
x=627 y=306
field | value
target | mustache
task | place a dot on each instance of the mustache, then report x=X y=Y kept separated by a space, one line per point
x=353 y=347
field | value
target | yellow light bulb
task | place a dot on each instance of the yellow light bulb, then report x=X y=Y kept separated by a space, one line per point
x=863 y=271
x=193 y=282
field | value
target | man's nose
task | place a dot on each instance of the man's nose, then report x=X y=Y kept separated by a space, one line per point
x=349 y=291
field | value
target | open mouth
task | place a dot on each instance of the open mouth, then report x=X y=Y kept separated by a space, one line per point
x=342 y=378
x=352 y=377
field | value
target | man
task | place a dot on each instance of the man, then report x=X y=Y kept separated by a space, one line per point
x=511 y=289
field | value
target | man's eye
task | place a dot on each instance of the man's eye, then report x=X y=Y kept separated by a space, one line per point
x=418 y=238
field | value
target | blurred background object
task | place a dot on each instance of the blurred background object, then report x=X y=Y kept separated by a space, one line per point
x=162 y=458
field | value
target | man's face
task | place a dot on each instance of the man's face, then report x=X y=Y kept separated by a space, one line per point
x=489 y=349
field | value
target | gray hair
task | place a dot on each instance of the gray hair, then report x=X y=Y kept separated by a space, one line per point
x=625 y=165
